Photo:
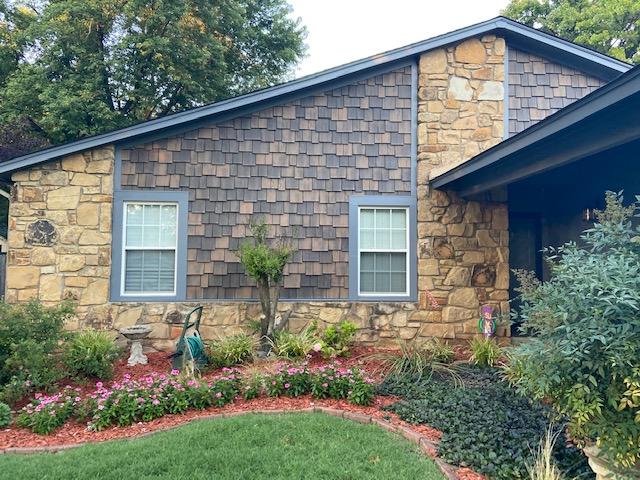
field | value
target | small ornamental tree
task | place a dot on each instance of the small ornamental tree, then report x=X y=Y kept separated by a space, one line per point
x=265 y=262
x=585 y=355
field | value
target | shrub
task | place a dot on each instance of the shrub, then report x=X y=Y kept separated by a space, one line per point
x=252 y=388
x=5 y=415
x=33 y=362
x=289 y=381
x=231 y=351
x=91 y=354
x=15 y=390
x=337 y=339
x=485 y=425
x=485 y=352
x=584 y=356
x=293 y=345
x=25 y=328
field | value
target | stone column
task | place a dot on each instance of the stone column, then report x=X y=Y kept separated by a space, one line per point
x=462 y=244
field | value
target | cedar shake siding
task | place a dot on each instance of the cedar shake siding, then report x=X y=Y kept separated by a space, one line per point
x=296 y=165
x=539 y=87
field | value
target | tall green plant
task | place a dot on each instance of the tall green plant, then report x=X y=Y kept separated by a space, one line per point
x=585 y=357
x=264 y=261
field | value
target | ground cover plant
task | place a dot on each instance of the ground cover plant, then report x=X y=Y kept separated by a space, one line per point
x=278 y=447
x=485 y=424
x=585 y=356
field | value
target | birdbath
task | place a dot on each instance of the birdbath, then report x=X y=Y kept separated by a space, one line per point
x=136 y=334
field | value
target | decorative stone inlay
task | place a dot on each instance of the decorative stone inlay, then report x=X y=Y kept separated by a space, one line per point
x=41 y=232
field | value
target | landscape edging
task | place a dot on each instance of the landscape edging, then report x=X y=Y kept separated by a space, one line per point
x=427 y=447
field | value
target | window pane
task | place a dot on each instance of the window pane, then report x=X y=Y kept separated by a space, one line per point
x=398 y=239
x=398 y=218
x=367 y=238
x=367 y=262
x=168 y=236
x=382 y=262
x=367 y=218
x=398 y=262
x=134 y=214
x=151 y=236
x=134 y=236
x=152 y=214
x=383 y=238
x=382 y=282
x=169 y=215
x=367 y=282
x=383 y=218
x=149 y=271
x=398 y=283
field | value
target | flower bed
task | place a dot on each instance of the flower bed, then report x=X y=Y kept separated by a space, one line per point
x=129 y=401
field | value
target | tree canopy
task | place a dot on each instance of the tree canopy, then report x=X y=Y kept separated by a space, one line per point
x=81 y=67
x=609 y=26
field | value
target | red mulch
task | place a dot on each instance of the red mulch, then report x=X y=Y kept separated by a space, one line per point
x=75 y=433
x=468 y=474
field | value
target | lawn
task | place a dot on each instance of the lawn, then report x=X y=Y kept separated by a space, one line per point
x=253 y=446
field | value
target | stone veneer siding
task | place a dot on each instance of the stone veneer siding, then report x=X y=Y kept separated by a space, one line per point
x=539 y=87
x=295 y=165
x=60 y=215
x=60 y=232
x=462 y=245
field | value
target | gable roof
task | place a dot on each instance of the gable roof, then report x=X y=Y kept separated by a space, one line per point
x=600 y=120
x=516 y=34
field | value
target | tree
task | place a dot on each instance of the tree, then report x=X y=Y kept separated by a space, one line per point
x=81 y=67
x=609 y=26
x=19 y=138
x=265 y=264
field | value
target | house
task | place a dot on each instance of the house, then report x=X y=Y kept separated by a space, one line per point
x=409 y=182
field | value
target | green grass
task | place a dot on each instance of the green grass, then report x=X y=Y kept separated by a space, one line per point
x=291 y=446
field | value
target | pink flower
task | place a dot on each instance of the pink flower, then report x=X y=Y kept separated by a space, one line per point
x=99 y=385
x=100 y=407
x=218 y=395
x=156 y=402
x=286 y=385
x=317 y=347
x=325 y=385
x=175 y=372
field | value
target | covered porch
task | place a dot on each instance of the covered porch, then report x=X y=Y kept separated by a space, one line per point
x=553 y=175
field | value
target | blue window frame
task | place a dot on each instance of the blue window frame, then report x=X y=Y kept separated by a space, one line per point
x=382 y=248
x=149 y=258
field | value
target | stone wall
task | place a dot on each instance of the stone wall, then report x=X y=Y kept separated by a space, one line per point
x=60 y=232
x=462 y=245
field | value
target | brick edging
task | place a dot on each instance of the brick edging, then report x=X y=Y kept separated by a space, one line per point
x=427 y=447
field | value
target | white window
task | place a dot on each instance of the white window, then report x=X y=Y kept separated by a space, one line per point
x=149 y=248
x=383 y=243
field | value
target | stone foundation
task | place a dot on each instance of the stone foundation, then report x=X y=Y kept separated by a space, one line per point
x=380 y=324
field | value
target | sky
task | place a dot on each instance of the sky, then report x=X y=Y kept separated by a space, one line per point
x=340 y=31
